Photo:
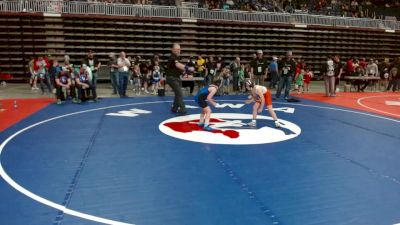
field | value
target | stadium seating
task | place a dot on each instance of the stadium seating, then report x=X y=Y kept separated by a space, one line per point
x=23 y=35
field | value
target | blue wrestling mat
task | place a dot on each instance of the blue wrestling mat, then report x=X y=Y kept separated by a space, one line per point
x=130 y=161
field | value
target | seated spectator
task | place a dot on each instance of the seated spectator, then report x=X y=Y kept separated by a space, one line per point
x=54 y=69
x=62 y=83
x=84 y=86
x=360 y=72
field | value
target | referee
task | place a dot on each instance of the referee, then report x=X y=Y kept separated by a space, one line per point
x=173 y=72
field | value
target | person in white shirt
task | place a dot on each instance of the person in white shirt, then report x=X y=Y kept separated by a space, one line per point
x=329 y=78
x=372 y=69
x=123 y=73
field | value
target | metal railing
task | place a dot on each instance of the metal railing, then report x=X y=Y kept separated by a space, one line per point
x=71 y=7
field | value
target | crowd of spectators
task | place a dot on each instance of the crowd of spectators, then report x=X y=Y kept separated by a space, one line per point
x=352 y=8
x=78 y=80
x=346 y=8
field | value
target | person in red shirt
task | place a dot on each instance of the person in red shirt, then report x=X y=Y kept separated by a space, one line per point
x=350 y=67
x=363 y=64
x=307 y=79
x=63 y=81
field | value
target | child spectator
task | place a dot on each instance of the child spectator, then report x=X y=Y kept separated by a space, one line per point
x=300 y=81
x=307 y=79
x=136 y=79
x=156 y=77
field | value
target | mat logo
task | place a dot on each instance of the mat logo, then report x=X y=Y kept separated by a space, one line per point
x=129 y=113
x=229 y=128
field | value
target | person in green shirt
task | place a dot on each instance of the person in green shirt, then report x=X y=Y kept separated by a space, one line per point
x=300 y=81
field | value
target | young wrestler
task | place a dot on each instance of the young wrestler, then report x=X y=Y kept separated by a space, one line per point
x=206 y=94
x=261 y=96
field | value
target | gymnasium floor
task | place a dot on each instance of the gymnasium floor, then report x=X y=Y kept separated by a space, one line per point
x=130 y=161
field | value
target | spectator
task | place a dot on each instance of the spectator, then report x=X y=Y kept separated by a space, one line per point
x=54 y=69
x=200 y=66
x=136 y=75
x=123 y=73
x=210 y=70
x=226 y=77
x=329 y=78
x=32 y=74
x=300 y=81
x=220 y=64
x=338 y=73
x=94 y=64
x=234 y=68
x=62 y=81
x=363 y=64
x=307 y=79
x=394 y=77
x=372 y=68
x=156 y=76
x=200 y=69
x=358 y=83
x=259 y=69
x=113 y=65
x=242 y=79
x=83 y=84
x=145 y=71
x=273 y=71
x=287 y=74
x=40 y=67
x=350 y=67
x=384 y=73
x=68 y=67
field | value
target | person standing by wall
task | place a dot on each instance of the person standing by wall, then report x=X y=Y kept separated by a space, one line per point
x=173 y=72
x=287 y=75
x=234 y=68
x=113 y=65
x=338 y=65
x=210 y=70
x=329 y=78
x=123 y=73
x=93 y=63
x=273 y=71
x=259 y=69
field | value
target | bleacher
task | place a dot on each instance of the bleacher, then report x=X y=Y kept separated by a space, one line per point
x=24 y=34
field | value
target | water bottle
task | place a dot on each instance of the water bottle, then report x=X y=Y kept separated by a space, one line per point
x=15 y=104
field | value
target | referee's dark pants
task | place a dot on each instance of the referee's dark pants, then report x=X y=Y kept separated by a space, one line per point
x=176 y=84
